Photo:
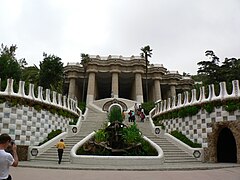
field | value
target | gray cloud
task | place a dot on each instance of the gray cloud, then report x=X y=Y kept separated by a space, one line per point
x=179 y=32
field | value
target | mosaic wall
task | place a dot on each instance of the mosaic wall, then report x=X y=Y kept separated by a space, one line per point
x=27 y=126
x=197 y=127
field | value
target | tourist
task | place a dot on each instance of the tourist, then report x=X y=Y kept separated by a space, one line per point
x=130 y=116
x=60 y=146
x=123 y=115
x=6 y=159
x=142 y=116
x=133 y=117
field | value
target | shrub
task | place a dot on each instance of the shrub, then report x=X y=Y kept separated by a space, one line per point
x=74 y=121
x=131 y=134
x=209 y=107
x=148 y=106
x=101 y=136
x=231 y=106
x=115 y=114
x=184 y=139
x=51 y=135
x=82 y=106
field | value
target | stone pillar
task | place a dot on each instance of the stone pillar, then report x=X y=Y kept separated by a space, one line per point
x=139 y=89
x=115 y=84
x=72 y=88
x=157 y=89
x=173 y=90
x=91 y=88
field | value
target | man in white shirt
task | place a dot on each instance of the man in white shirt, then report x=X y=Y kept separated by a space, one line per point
x=6 y=159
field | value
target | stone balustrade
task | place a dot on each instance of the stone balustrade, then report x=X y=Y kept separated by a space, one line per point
x=56 y=100
x=163 y=106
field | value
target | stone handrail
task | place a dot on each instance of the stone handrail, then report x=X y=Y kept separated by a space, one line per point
x=163 y=106
x=57 y=100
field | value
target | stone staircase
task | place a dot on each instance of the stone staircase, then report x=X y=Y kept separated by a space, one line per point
x=172 y=153
x=94 y=121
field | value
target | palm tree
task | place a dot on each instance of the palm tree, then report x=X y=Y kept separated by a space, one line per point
x=146 y=52
x=85 y=60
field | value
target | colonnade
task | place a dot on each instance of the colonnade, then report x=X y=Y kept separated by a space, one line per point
x=137 y=87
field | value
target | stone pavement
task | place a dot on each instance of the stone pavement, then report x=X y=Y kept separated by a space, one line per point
x=160 y=167
x=27 y=173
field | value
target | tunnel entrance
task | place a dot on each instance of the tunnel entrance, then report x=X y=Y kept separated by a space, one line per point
x=226 y=147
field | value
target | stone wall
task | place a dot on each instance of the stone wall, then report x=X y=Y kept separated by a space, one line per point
x=28 y=126
x=211 y=151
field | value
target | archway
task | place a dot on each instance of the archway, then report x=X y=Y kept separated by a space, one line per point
x=226 y=146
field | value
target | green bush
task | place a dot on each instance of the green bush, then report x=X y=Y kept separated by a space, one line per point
x=148 y=106
x=209 y=107
x=115 y=115
x=131 y=134
x=231 y=106
x=184 y=139
x=82 y=106
x=51 y=135
x=101 y=136
x=74 y=121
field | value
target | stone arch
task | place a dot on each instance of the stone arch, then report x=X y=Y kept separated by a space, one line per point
x=226 y=146
x=217 y=127
x=115 y=105
x=114 y=101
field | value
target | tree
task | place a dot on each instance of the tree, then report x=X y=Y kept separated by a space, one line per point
x=85 y=60
x=211 y=72
x=210 y=69
x=51 y=73
x=31 y=75
x=9 y=65
x=146 y=52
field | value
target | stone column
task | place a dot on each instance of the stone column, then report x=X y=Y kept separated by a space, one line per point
x=173 y=90
x=72 y=88
x=91 y=88
x=157 y=89
x=115 y=84
x=139 y=89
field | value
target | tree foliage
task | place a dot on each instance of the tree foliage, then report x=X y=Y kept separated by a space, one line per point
x=212 y=72
x=51 y=73
x=85 y=60
x=146 y=52
x=9 y=66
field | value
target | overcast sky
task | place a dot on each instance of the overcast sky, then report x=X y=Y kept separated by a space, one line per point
x=178 y=31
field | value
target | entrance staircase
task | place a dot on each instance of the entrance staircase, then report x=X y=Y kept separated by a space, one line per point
x=172 y=153
x=94 y=121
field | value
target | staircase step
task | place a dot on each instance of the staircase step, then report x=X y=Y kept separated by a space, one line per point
x=96 y=119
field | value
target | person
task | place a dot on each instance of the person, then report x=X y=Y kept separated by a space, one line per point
x=7 y=159
x=136 y=108
x=123 y=115
x=142 y=116
x=60 y=146
x=130 y=116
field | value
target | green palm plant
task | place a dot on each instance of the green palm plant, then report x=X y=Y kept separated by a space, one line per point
x=101 y=136
x=146 y=52
x=85 y=60
x=132 y=135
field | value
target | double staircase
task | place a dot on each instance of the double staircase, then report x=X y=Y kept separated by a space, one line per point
x=95 y=120
x=172 y=153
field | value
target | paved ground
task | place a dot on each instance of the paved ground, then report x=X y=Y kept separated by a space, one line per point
x=25 y=173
